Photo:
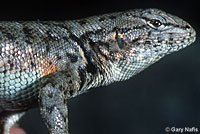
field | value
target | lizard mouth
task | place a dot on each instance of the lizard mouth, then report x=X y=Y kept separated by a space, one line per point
x=182 y=40
x=174 y=41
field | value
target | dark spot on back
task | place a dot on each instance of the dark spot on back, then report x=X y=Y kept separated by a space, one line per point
x=27 y=32
x=148 y=42
x=73 y=58
x=50 y=109
x=59 y=57
x=127 y=14
x=9 y=61
x=10 y=36
x=50 y=36
x=112 y=17
x=1 y=28
x=101 y=19
x=124 y=30
x=47 y=48
x=71 y=92
x=82 y=22
x=28 y=42
x=5 y=71
x=65 y=38
x=111 y=53
x=32 y=64
x=50 y=62
x=11 y=66
x=171 y=39
x=135 y=41
x=91 y=43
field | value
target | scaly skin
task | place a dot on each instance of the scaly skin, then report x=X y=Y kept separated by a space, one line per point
x=45 y=63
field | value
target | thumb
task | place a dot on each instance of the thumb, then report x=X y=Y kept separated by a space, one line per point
x=16 y=130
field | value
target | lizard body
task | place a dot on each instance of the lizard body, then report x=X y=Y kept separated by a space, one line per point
x=44 y=63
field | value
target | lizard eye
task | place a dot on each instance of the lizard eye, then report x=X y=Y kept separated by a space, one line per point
x=155 y=23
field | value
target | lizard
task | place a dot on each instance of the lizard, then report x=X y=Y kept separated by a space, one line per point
x=45 y=63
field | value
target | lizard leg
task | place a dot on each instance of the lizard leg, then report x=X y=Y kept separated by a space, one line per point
x=8 y=119
x=53 y=95
x=53 y=108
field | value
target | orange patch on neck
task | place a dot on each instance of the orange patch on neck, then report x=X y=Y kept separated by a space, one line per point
x=48 y=66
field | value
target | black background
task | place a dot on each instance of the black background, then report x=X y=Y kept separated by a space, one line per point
x=165 y=94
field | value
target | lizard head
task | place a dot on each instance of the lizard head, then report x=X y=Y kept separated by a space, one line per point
x=142 y=37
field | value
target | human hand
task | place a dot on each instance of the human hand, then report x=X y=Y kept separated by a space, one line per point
x=16 y=130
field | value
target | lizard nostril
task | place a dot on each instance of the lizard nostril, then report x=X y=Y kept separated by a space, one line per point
x=187 y=26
